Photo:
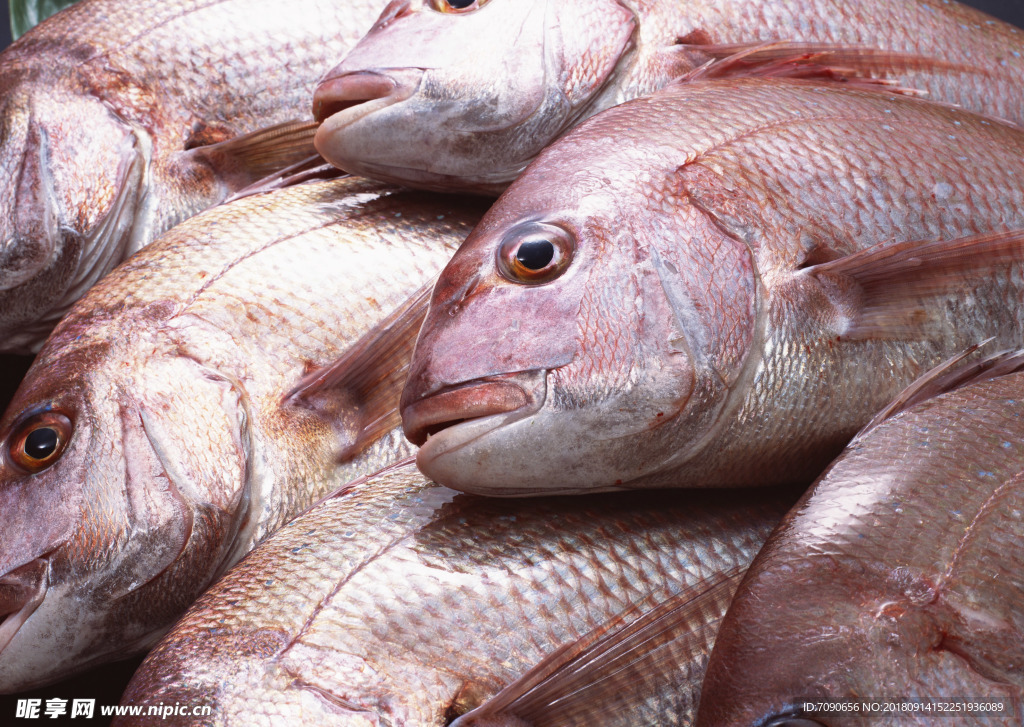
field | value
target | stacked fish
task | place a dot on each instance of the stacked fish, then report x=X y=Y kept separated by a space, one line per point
x=733 y=235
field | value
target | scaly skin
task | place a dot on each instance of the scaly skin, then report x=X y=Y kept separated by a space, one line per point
x=896 y=578
x=691 y=339
x=502 y=80
x=101 y=105
x=182 y=452
x=408 y=603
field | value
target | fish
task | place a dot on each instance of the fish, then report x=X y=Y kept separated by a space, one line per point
x=716 y=285
x=499 y=80
x=184 y=409
x=397 y=601
x=896 y=579
x=121 y=118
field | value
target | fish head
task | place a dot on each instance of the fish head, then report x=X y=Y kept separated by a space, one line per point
x=497 y=79
x=588 y=332
x=72 y=174
x=114 y=521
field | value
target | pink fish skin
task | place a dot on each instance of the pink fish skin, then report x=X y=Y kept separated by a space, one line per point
x=727 y=292
x=399 y=602
x=897 y=578
x=159 y=435
x=499 y=80
x=117 y=121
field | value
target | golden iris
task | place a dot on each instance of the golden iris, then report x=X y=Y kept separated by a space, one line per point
x=39 y=441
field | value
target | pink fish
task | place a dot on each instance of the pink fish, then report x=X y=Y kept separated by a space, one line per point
x=457 y=95
x=895 y=584
x=716 y=285
x=120 y=118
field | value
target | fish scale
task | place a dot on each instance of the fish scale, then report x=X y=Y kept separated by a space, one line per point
x=191 y=433
x=898 y=574
x=493 y=76
x=761 y=247
x=118 y=122
x=401 y=601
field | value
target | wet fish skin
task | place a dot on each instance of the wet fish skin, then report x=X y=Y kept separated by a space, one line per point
x=501 y=80
x=404 y=603
x=712 y=325
x=108 y=111
x=896 y=578
x=180 y=447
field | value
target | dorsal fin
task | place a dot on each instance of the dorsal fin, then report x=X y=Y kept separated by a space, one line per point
x=893 y=282
x=373 y=370
x=638 y=651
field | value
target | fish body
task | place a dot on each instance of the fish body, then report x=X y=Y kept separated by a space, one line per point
x=156 y=438
x=500 y=80
x=117 y=122
x=401 y=602
x=715 y=285
x=896 y=579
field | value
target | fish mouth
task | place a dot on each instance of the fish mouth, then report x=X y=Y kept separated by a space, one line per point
x=471 y=401
x=342 y=100
x=21 y=592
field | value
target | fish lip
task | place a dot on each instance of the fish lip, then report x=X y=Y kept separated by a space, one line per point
x=471 y=401
x=21 y=591
x=346 y=98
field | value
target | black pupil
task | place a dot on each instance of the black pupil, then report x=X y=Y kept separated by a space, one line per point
x=535 y=254
x=460 y=4
x=41 y=443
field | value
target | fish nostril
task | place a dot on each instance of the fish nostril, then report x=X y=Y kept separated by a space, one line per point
x=342 y=92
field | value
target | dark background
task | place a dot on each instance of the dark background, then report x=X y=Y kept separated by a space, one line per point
x=106 y=684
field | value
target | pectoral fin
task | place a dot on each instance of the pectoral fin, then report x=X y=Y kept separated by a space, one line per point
x=892 y=290
x=861 y=65
x=311 y=169
x=617 y=665
x=242 y=160
x=372 y=372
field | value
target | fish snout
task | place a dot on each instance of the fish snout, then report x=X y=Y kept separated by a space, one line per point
x=363 y=92
x=454 y=405
x=21 y=592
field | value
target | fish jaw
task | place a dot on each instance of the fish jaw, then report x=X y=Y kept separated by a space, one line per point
x=490 y=112
x=21 y=592
x=546 y=447
x=472 y=401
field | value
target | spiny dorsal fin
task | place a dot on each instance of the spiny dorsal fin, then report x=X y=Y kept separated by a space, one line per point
x=373 y=370
x=949 y=375
x=860 y=65
x=639 y=651
x=894 y=281
x=244 y=159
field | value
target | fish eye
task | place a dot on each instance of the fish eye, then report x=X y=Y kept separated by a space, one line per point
x=457 y=6
x=39 y=441
x=535 y=253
